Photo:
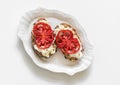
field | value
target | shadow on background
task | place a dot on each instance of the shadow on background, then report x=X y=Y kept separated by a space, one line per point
x=48 y=75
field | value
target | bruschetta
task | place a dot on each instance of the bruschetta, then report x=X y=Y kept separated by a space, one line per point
x=68 y=41
x=43 y=39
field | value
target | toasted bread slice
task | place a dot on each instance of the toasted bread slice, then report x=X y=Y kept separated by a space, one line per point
x=44 y=53
x=72 y=57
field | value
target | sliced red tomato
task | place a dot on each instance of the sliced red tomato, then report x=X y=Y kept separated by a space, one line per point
x=60 y=43
x=66 y=42
x=40 y=27
x=65 y=34
x=72 y=46
x=62 y=36
x=43 y=34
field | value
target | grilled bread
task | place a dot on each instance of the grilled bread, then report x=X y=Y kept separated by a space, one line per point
x=43 y=40
x=69 y=54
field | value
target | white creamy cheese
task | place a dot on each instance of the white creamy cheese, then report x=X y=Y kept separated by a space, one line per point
x=37 y=21
x=77 y=54
x=46 y=52
x=43 y=21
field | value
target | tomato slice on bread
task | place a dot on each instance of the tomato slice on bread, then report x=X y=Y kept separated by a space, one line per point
x=66 y=42
x=65 y=34
x=72 y=46
x=62 y=36
x=43 y=35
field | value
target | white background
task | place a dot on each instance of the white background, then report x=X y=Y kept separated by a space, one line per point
x=101 y=21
